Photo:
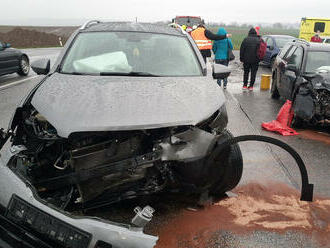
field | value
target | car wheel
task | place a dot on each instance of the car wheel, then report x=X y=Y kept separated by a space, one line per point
x=274 y=91
x=24 y=66
x=227 y=168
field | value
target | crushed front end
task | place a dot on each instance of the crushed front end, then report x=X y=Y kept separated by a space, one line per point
x=312 y=100
x=52 y=178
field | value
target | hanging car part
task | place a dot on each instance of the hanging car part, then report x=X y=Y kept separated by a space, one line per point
x=306 y=187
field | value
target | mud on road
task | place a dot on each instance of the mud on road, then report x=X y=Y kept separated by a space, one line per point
x=273 y=208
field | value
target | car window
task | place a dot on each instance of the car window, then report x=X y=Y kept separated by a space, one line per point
x=319 y=26
x=296 y=57
x=327 y=41
x=128 y=52
x=284 y=50
x=289 y=53
x=190 y=21
x=1 y=45
x=316 y=60
x=282 y=41
x=270 y=42
x=265 y=38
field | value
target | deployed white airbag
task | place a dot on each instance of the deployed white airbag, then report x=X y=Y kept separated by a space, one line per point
x=108 y=62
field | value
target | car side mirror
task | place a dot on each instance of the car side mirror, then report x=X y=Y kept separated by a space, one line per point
x=220 y=71
x=41 y=66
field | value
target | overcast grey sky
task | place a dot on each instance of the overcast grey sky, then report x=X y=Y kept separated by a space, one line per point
x=69 y=12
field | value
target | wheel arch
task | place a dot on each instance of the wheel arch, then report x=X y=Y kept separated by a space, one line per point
x=25 y=55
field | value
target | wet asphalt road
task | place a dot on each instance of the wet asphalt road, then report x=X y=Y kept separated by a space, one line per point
x=262 y=163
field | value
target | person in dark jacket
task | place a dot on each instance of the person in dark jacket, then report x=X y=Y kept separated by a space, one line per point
x=220 y=49
x=249 y=57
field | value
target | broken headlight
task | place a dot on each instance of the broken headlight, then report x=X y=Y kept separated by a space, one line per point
x=216 y=122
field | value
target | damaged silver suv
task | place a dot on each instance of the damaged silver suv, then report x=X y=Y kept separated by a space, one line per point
x=126 y=111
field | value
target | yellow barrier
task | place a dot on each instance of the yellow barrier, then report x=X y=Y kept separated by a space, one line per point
x=265 y=81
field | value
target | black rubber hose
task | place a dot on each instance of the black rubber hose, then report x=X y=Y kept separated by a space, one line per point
x=306 y=187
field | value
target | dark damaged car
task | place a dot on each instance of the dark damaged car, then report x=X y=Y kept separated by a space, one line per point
x=126 y=111
x=301 y=73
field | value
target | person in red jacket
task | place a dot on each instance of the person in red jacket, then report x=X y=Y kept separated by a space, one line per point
x=316 y=37
x=257 y=28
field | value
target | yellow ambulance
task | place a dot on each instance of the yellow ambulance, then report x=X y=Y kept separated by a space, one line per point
x=309 y=26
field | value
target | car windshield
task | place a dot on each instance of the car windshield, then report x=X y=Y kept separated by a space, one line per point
x=131 y=54
x=317 y=60
x=188 y=21
x=280 y=42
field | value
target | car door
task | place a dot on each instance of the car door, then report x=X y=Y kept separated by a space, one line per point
x=270 y=49
x=9 y=60
x=2 y=58
x=289 y=77
x=266 y=59
x=281 y=67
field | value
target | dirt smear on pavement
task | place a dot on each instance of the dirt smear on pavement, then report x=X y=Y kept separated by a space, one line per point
x=314 y=135
x=275 y=207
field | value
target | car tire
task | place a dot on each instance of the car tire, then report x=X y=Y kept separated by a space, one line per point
x=228 y=170
x=24 y=66
x=274 y=91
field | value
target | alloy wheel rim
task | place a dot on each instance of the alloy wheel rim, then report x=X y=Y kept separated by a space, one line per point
x=25 y=65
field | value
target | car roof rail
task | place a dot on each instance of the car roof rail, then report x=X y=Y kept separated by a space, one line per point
x=89 y=23
x=302 y=41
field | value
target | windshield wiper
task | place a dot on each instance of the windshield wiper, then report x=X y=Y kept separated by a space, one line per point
x=130 y=74
x=79 y=73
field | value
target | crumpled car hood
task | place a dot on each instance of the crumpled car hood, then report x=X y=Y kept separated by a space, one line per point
x=73 y=103
x=321 y=81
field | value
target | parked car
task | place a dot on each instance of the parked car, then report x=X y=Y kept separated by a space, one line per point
x=13 y=60
x=274 y=45
x=301 y=73
x=126 y=111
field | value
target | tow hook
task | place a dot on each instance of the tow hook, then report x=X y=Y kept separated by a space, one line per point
x=306 y=188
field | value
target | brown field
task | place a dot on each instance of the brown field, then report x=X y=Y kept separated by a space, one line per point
x=29 y=37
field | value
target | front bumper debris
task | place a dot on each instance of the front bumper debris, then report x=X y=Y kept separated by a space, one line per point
x=92 y=230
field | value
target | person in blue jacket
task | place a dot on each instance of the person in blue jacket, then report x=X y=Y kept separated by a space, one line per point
x=220 y=49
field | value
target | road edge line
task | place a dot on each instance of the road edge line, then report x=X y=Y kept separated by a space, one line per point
x=6 y=86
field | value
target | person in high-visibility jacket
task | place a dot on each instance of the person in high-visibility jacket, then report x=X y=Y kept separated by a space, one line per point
x=203 y=37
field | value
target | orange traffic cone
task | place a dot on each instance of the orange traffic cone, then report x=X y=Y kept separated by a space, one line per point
x=282 y=124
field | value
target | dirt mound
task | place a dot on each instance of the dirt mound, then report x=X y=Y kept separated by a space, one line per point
x=272 y=208
x=23 y=38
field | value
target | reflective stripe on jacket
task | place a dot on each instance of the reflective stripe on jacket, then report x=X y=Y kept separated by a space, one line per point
x=201 y=41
